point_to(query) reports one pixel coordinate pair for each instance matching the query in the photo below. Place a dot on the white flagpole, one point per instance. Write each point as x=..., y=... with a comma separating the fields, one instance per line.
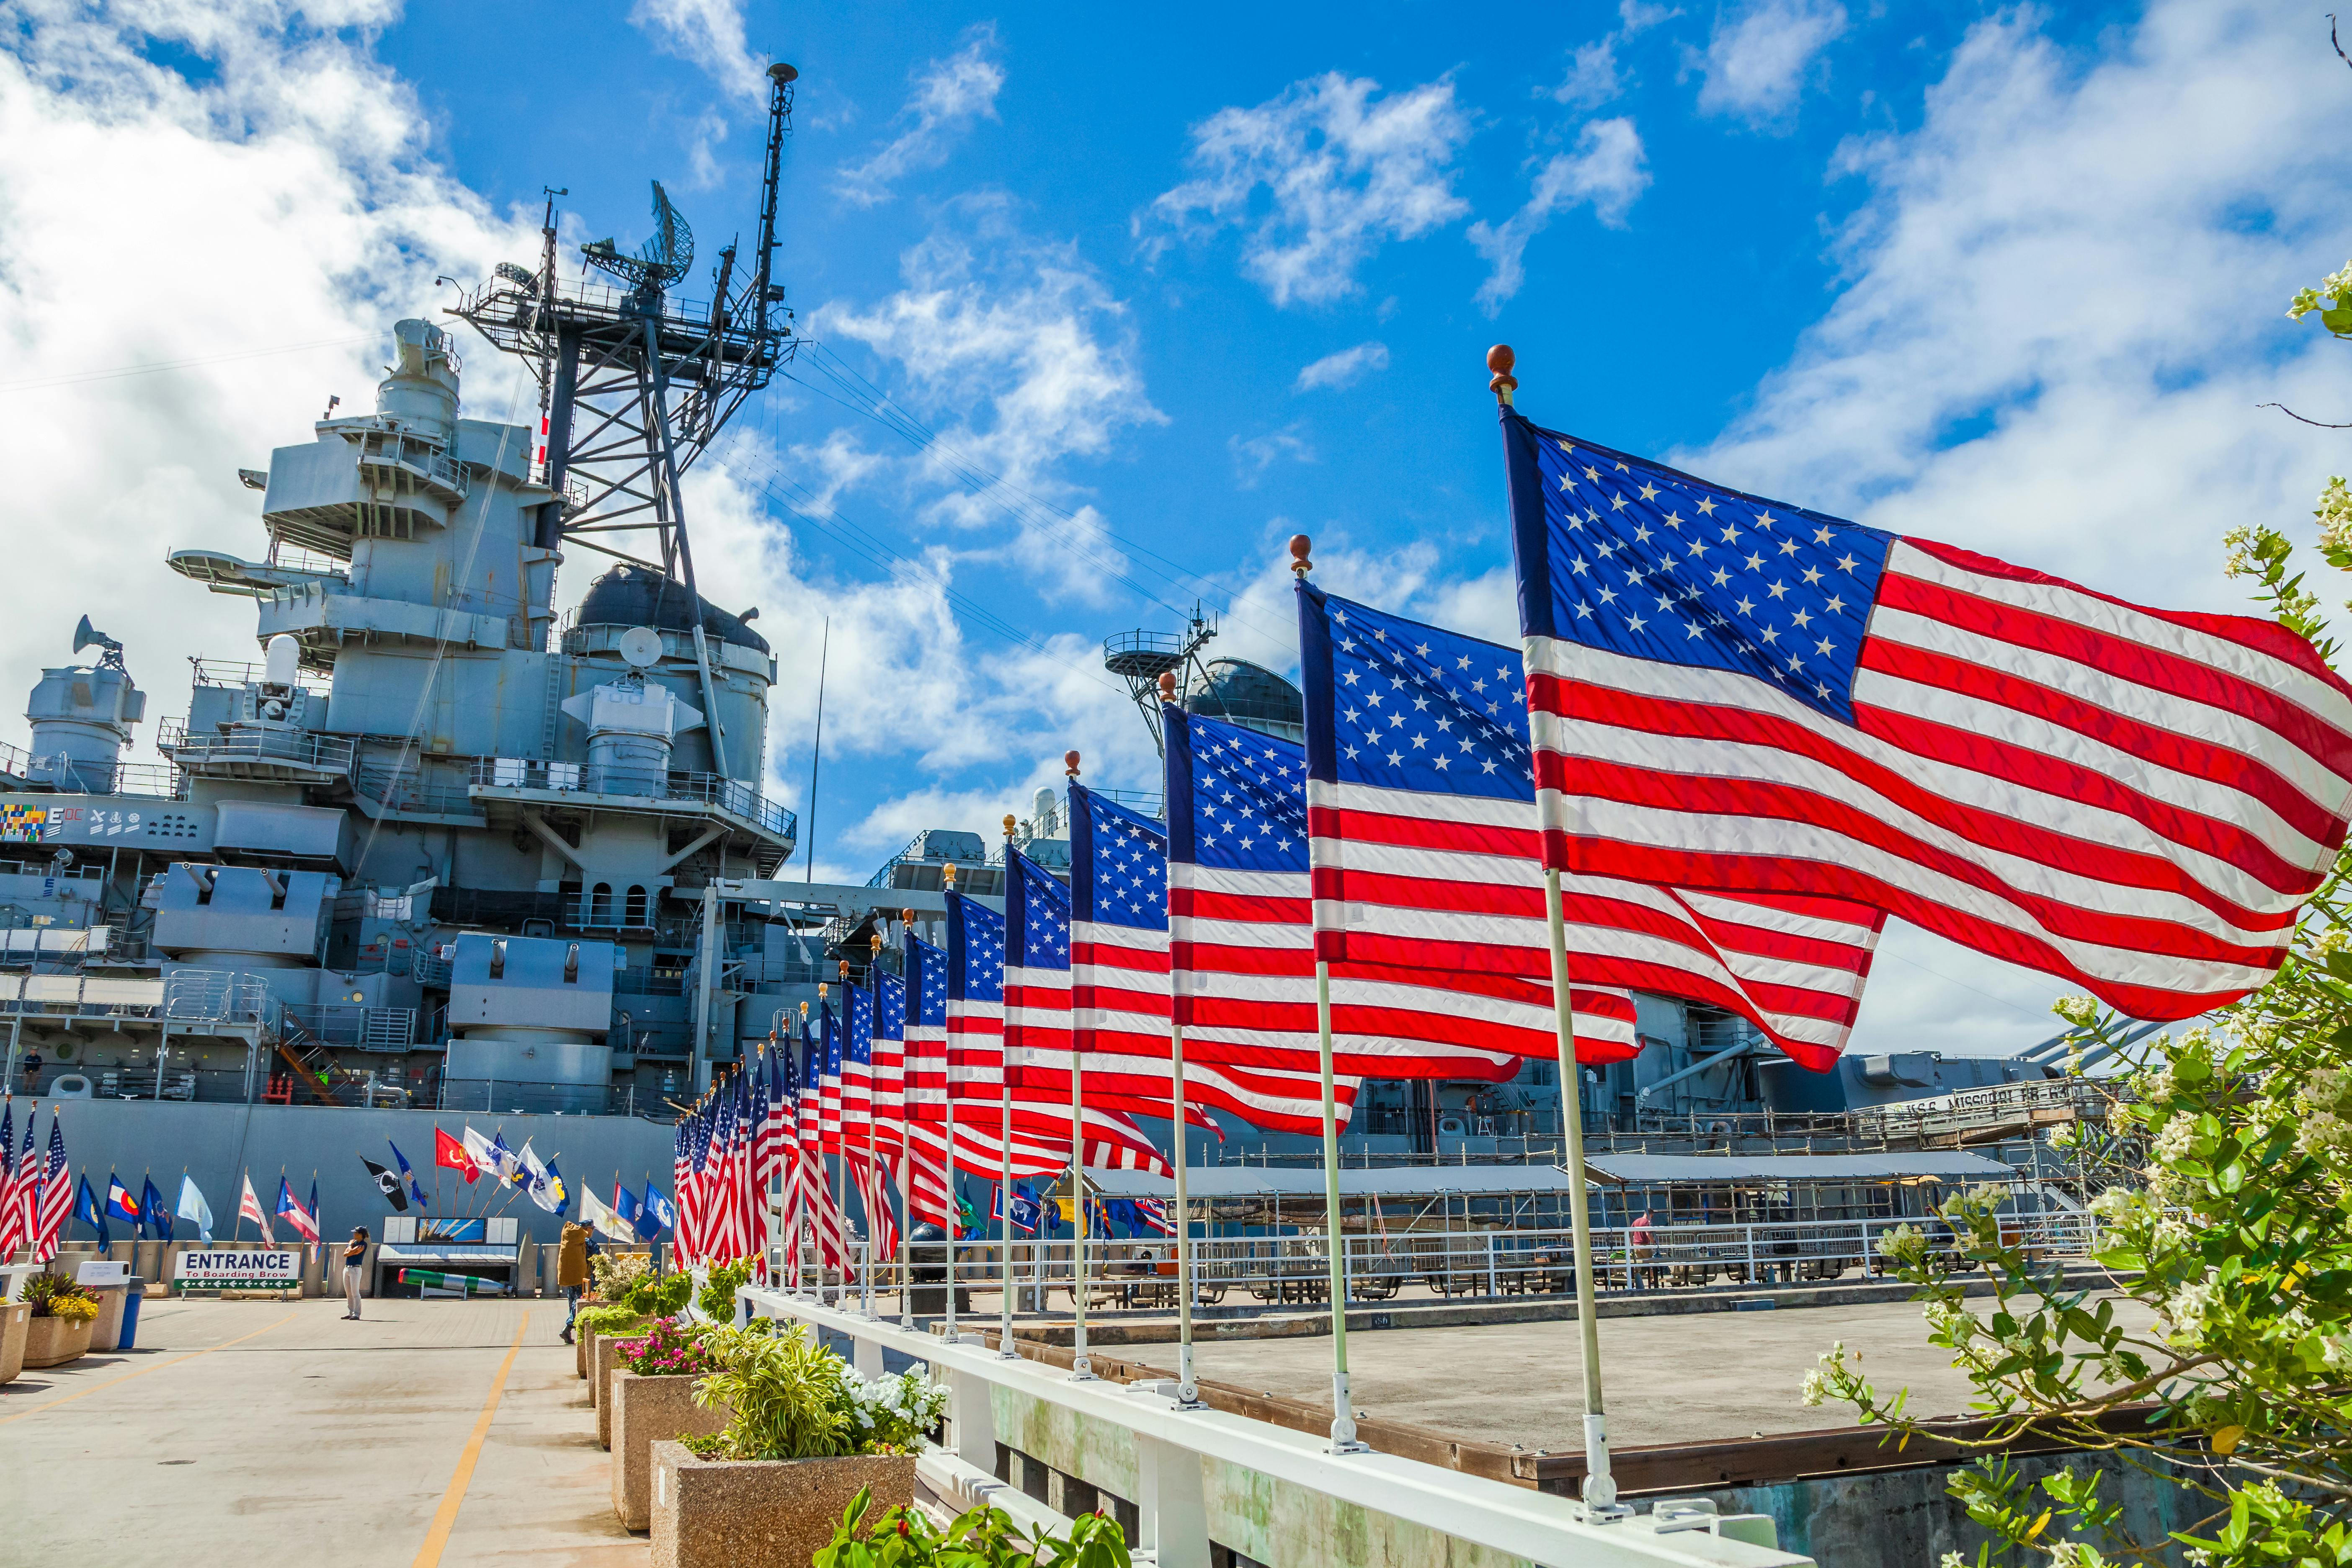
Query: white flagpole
x=1188, y=1390
x=1081, y=1365
x=948, y=1160
x=1343, y=1412
x=906, y=1150
x=1599, y=1484
x=1004, y=1137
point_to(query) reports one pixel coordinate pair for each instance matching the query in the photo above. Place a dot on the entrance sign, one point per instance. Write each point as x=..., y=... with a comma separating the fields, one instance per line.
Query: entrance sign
x=277, y=1267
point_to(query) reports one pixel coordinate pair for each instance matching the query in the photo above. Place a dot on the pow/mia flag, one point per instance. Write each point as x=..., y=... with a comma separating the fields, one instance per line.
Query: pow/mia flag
x=389, y=1182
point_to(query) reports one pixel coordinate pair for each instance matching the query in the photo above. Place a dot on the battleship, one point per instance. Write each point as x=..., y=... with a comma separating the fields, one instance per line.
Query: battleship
x=425, y=844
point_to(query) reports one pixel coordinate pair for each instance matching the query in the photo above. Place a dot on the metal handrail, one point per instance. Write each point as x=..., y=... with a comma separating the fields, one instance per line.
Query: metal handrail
x=729, y=794
x=260, y=743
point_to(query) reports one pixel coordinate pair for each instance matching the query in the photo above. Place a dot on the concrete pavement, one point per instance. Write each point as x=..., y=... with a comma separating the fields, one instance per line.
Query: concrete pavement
x=251, y=1429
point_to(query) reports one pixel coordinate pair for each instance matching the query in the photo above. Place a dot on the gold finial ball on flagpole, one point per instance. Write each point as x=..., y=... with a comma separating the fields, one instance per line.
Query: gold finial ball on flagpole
x=876, y=944
x=845, y=971
x=1299, y=546
x=822, y=988
x=805, y=1008
x=1070, y=763
x=1500, y=359
x=1011, y=822
x=906, y=917
x=1167, y=686
x=946, y=876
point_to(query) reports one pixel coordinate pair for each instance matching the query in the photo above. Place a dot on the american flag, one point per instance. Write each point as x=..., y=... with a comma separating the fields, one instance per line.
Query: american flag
x=928, y=1114
x=13, y=1225
x=976, y=974
x=828, y=1079
x=820, y=1213
x=1242, y=935
x=1735, y=694
x=1422, y=805
x=683, y=1163
x=1119, y=978
x=889, y=1062
x=56, y=1201
x=1040, y=1017
x=856, y=1068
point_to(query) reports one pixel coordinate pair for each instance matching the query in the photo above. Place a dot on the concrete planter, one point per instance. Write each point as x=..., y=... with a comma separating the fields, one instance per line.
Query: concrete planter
x=763, y=1514
x=53, y=1341
x=15, y=1318
x=602, y=1366
x=646, y=1411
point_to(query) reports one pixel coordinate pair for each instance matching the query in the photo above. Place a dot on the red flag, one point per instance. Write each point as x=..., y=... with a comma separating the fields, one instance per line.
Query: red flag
x=450, y=1152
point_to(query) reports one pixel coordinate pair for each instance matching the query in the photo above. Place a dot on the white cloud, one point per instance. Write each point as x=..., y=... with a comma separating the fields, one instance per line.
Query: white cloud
x=2060, y=309
x=1022, y=359
x=708, y=34
x=1592, y=79
x=1607, y=171
x=1758, y=57
x=1253, y=456
x=948, y=97
x=1593, y=75
x=1343, y=173
x=301, y=208
x=1343, y=369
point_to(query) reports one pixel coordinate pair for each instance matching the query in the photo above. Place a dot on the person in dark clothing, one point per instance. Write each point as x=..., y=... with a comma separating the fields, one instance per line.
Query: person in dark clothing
x=33, y=1066
x=354, y=1266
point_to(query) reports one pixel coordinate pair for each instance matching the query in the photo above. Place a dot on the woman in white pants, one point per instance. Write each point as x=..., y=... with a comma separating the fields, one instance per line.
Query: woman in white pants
x=354, y=1265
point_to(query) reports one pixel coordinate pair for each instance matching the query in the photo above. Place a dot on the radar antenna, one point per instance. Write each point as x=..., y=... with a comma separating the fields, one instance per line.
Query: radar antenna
x=88, y=636
x=662, y=261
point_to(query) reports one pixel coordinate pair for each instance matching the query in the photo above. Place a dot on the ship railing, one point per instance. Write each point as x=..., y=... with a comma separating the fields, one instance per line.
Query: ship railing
x=68, y=775
x=512, y=1097
x=262, y=744
x=216, y=995
x=405, y=787
x=731, y=795
x=237, y=674
x=1183, y=1463
x=1239, y=1274
x=355, y=1025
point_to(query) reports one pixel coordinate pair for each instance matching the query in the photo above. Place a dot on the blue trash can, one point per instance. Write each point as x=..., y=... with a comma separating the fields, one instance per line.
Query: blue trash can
x=134, y=1293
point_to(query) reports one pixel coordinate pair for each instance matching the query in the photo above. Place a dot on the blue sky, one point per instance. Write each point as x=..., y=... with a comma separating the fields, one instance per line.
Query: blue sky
x=1179, y=286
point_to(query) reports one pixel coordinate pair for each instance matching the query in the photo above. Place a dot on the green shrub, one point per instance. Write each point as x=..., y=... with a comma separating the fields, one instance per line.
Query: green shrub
x=658, y=1296
x=982, y=1537
x=718, y=1298
x=785, y=1391
x=610, y=1318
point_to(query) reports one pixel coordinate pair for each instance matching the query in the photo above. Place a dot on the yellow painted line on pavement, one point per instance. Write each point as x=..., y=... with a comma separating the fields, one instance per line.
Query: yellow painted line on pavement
x=144, y=1371
x=444, y=1518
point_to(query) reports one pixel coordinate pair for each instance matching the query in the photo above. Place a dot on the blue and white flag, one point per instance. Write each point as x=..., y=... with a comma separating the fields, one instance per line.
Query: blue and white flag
x=193, y=1208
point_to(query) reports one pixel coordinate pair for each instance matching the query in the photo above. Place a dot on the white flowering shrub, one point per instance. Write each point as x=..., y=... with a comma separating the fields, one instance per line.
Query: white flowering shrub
x=2232, y=1226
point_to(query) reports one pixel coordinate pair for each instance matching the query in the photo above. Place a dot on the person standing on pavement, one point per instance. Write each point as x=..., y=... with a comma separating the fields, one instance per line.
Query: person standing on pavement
x=354, y=1265
x=572, y=1270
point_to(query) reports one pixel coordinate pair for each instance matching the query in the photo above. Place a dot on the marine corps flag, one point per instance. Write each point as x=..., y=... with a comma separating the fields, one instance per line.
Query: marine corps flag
x=388, y=1183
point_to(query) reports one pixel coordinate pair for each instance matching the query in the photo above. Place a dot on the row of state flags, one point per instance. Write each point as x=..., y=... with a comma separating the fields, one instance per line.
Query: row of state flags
x=1740, y=734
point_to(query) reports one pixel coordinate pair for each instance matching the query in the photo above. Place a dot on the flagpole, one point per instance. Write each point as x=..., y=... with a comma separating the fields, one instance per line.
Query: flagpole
x=906, y=1158
x=1081, y=1365
x=1187, y=1392
x=1343, y=1411
x=1599, y=1484
x=947, y=1098
x=1005, y=1141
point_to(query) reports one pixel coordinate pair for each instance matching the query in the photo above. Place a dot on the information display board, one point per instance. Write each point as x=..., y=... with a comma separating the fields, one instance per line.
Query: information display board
x=274, y=1267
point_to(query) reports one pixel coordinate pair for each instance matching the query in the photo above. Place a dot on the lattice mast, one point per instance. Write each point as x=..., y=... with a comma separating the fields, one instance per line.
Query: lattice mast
x=636, y=384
